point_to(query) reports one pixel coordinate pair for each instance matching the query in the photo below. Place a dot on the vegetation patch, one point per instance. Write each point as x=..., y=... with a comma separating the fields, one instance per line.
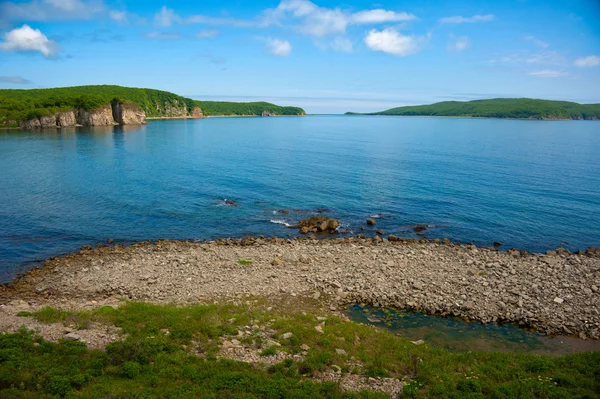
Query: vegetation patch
x=20, y=105
x=518, y=108
x=171, y=352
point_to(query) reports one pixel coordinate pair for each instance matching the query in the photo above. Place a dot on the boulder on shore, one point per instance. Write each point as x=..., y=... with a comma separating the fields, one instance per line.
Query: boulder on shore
x=319, y=224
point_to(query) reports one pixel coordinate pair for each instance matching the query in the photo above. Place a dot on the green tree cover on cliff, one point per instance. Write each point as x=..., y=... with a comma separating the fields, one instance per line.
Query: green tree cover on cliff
x=27, y=104
x=252, y=108
x=19, y=105
x=519, y=108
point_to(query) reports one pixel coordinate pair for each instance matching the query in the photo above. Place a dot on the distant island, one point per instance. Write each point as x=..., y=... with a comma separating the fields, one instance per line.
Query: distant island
x=115, y=105
x=514, y=108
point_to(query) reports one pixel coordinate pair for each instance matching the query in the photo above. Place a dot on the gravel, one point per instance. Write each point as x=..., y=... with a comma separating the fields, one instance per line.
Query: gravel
x=555, y=293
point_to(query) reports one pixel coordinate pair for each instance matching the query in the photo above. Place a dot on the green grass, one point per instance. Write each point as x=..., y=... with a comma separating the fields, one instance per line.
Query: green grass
x=270, y=351
x=169, y=352
x=520, y=108
x=244, y=262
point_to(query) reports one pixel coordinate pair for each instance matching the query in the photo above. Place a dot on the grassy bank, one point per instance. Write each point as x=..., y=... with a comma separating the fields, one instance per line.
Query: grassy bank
x=176, y=352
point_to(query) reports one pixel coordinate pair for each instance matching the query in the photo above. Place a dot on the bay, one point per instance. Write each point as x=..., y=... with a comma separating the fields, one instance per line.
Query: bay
x=532, y=185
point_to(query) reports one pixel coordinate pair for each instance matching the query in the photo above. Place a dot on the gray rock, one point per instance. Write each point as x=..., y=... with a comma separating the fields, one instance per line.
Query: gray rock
x=287, y=335
x=72, y=336
x=341, y=352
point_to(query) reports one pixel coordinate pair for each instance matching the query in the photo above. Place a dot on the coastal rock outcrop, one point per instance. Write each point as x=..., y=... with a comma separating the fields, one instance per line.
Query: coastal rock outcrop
x=66, y=119
x=197, y=112
x=128, y=114
x=48, y=121
x=318, y=224
x=30, y=124
x=176, y=110
x=266, y=113
x=102, y=116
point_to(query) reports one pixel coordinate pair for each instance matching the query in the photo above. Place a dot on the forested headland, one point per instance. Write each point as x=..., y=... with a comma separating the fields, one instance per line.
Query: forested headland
x=18, y=106
x=516, y=108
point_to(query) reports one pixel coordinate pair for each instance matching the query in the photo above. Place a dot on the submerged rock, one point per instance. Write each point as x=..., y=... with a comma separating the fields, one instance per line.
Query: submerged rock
x=319, y=224
x=419, y=228
x=371, y=222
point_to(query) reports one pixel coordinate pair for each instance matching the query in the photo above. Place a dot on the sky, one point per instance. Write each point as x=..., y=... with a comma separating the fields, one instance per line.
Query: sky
x=325, y=56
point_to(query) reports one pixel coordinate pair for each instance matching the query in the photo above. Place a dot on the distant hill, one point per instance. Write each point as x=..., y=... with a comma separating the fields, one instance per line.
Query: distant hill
x=214, y=108
x=518, y=108
x=18, y=106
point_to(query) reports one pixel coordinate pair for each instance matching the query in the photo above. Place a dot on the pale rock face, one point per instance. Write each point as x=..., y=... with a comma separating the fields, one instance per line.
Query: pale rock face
x=197, y=112
x=48, y=121
x=128, y=114
x=66, y=119
x=31, y=124
x=175, y=112
x=99, y=117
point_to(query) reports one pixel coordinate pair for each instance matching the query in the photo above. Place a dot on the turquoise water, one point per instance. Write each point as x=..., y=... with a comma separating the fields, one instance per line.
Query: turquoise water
x=528, y=184
x=458, y=335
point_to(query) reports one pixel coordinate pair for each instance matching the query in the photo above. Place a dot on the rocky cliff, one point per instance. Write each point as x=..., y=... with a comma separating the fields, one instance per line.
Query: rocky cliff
x=196, y=112
x=128, y=114
x=116, y=113
x=102, y=116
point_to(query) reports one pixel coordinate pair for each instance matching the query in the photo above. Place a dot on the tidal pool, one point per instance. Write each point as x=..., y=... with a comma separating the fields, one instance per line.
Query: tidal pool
x=458, y=335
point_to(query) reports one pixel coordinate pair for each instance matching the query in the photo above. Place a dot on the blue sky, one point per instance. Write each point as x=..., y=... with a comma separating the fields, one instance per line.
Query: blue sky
x=325, y=56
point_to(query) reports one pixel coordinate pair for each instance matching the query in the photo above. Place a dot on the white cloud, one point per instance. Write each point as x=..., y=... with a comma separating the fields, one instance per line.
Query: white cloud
x=537, y=41
x=25, y=39
x=281, y=48
x=541, y=57
x=207, y=33
x=14, y=79
x=203, y=19
x=391, y=41
x=50, y=10
x=589, y=61
x=461, y=20
x=312, y=20
x=458, y=44
x=342, y=44
x=547, y=73
x=67, y=5
x=162, y=35
x=380, y=16
x=119, y=17
x=166, y=17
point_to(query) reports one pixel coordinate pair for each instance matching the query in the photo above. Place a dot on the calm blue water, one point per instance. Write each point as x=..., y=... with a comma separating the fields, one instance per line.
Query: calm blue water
x=527, y=184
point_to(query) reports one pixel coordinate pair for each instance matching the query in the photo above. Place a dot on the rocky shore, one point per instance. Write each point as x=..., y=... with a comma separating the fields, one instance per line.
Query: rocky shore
x=554, y=293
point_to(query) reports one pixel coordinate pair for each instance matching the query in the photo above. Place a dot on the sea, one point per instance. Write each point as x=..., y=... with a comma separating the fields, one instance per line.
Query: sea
x=525, y=184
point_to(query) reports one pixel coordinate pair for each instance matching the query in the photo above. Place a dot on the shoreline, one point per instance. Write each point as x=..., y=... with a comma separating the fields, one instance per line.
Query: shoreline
x=475, y=117
x=554, y=293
